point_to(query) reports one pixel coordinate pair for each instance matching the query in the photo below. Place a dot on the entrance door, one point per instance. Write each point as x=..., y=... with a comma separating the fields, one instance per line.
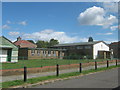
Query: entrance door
x=9, y=55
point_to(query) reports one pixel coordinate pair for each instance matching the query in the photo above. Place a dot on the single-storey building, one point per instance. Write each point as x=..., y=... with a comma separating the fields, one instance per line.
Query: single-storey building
x=28, y=50
x=40, y=53
x=90, y=50
x=24, y=43
x=8, y=50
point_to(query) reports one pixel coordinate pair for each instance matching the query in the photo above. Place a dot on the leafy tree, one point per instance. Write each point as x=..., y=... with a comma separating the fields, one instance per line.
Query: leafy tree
x=42, y=44
x=31, y=41
x=53, y=42
x=90, y=39
x=46, y=44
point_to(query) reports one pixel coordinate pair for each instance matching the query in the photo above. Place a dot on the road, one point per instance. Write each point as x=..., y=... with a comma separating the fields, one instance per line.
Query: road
x=105, y=79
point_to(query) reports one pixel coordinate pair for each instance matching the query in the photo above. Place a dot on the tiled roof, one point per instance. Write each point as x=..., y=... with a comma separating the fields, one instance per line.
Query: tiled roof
x=25, y=43
x=81, y=43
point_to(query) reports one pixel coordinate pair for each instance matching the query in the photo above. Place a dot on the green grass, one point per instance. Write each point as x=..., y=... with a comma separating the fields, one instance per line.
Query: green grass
x=38, y=79
x=44, y=62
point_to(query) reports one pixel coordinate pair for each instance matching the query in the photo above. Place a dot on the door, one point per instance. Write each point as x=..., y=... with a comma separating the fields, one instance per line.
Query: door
x=9, y=55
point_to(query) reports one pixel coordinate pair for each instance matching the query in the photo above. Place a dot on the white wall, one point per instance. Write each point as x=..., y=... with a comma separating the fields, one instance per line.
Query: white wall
x=14, y=57
x=99, y=47
x=3, y=55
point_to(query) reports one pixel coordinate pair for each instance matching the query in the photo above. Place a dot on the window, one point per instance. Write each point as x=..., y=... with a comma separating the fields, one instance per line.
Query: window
x=79, y=47
x=54, y=53
x=38, y=52
x=44, y=53
x=32, y=52
x=87, y=47
x=49, y=53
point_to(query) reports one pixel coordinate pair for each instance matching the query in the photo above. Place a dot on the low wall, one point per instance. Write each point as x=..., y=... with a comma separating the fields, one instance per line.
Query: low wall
x=9, y=72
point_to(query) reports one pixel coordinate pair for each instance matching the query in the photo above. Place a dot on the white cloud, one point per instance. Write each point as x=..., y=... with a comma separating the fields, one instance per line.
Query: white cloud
x=113, y=28
x=48, y=34
x=111, y=41
x=96, y=16
x=5, y=26
x=24, y=23
x=14, y=33
x=83, y=39
x=110, y=6
x=9, y=22
x=105, y=33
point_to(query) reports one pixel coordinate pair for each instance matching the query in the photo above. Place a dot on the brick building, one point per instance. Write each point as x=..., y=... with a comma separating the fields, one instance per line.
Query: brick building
x=90, y=50
x=115, y=46
x=28, y=50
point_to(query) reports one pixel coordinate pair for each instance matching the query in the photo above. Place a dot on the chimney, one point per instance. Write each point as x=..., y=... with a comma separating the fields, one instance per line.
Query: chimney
x=19, y=38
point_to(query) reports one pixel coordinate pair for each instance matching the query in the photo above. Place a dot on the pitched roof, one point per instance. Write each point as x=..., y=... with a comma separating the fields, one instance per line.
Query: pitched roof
x=115, y=43
x=81, y=43
x=25, y=43
x=6, y=43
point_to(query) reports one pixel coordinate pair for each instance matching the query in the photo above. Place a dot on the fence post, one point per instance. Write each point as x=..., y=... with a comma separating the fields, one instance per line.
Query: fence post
x=80, y=69
x=57, y=70
x=116, y=62
x=95, y=65
x=107, y=63
x=25, y=73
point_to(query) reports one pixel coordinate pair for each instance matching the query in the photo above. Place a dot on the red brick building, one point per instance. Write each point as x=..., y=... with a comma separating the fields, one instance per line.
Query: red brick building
x=24, y=43
x=116, y=49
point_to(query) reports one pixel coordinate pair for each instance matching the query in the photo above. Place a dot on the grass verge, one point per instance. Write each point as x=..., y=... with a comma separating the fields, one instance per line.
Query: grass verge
x=46, y=62
x=39, y=79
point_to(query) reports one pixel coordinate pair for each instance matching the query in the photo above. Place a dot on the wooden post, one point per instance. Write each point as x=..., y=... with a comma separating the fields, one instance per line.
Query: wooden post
x=107, y=63
x=80, y=69
x=57, y=70
x=25, y=73
x=95, y=65
x=116, y=62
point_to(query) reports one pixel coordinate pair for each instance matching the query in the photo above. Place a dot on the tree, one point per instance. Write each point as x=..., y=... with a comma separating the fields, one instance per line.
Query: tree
x=46, y=44
x=42, y=44
x=90, y=39
x=31, y=41
x=53, y=42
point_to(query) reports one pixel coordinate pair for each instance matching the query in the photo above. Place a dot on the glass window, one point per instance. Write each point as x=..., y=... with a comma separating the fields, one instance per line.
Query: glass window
x=38, y=52
x=79, y=47
x=54, y=53
x=87, y=47
x=32, y=52
x=44, y=53
x=49, y=52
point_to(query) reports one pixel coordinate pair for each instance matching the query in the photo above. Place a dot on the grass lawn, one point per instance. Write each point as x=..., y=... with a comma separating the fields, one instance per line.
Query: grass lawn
x=43, y=62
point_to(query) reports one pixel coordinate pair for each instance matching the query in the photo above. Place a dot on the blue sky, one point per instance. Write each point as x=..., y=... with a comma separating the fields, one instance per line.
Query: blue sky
x=67, y=22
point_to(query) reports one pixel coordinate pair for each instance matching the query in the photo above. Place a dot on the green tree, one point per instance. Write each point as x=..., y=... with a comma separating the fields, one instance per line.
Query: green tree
x=53, y=42
x=90, y=39
x=31, y=41
x=42, y=44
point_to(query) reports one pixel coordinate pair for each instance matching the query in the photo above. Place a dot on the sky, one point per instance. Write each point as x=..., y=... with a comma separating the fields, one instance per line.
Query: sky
x=68, y=22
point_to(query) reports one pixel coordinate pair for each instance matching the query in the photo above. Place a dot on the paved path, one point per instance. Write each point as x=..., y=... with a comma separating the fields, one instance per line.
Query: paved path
x=105, y=79
x=19, y=77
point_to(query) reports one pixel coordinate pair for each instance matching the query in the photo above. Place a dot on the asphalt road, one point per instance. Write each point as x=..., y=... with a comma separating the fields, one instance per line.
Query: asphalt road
x=105, y=79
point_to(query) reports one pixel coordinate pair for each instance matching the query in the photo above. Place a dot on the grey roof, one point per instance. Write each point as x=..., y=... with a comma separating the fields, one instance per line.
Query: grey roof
x=45, y=49
x=81, y=43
